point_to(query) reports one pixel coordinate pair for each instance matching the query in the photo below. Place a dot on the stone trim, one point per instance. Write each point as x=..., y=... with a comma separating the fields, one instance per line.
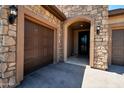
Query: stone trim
x=7, y=49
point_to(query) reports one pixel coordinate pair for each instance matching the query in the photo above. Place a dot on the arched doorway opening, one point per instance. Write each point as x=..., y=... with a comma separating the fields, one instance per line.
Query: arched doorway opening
x=79, y=38
x=78, y=42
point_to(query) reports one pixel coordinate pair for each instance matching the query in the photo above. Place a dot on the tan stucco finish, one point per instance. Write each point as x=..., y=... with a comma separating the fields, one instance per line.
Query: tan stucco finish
x=115, y=23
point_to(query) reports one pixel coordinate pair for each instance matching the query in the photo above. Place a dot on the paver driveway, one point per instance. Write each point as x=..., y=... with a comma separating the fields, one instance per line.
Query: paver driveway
x=61, y=75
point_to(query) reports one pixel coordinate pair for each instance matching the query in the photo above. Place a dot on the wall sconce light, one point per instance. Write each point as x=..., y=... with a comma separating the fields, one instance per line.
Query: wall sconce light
x=12, y=14
x=98, y=29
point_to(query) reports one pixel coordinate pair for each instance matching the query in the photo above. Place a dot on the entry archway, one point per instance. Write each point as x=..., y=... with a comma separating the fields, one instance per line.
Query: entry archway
x=70, y=21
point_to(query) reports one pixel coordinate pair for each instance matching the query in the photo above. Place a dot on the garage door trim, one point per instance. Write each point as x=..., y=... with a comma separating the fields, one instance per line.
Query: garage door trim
x=22, y=14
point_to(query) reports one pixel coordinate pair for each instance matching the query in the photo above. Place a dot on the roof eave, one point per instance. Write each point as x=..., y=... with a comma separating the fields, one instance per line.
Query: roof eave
x=55, y=11
x=116, y=12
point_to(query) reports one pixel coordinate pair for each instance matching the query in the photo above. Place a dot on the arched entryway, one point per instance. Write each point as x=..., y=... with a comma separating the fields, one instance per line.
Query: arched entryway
x=78, y=23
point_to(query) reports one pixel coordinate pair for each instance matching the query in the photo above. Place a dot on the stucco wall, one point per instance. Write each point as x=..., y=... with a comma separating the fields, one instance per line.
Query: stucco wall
x=115, y=22
x=99, y=13
x=116, y=19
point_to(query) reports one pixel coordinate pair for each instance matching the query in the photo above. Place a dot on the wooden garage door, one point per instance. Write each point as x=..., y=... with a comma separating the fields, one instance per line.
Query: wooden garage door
x=38, y=46
x=118, y=47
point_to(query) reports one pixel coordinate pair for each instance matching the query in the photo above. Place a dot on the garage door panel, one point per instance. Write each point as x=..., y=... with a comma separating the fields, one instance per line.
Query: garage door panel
x=39, y=42
x=118, y=47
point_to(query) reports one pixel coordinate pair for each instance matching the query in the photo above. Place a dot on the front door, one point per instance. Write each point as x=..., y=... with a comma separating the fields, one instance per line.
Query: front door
x=83, y=47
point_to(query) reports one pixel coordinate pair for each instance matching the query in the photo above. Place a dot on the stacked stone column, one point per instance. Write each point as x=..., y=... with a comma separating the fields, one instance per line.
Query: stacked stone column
x=7, y=50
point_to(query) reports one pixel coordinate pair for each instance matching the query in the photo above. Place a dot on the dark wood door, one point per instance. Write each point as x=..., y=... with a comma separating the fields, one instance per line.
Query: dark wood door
x=83, y=47
x=118, y=47
x=38, y=46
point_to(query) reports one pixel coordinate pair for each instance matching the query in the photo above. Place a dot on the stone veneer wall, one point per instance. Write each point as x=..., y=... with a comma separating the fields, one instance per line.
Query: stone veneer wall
x=8, y=43
x=100, y=14
x=7, y=50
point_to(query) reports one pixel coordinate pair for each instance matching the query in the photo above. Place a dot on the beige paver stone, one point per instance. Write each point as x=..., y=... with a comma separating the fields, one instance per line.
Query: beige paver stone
x=12, y=64
x=4, y=13
x=5, y=83
x=12, y=48
x=8, y=41
x=11, y=68
x=3, y=67
x=9, y=57
x=4, y=49
x=12, y=33
x=12, y=27
x=7, y=74
x=12, y=81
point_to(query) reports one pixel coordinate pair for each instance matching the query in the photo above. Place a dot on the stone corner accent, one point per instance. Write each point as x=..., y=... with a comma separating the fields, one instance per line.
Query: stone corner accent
x=7, y=50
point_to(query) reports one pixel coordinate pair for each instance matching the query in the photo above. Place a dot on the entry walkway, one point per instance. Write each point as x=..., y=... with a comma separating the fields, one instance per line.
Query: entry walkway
x=78, y=60
x=61, y=75
x=113, y=78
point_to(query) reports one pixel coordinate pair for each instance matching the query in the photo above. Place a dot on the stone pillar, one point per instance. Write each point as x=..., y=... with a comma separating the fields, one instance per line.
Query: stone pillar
x=60, y=43
x=101, y=40
x=98, y=13
x=7, y=50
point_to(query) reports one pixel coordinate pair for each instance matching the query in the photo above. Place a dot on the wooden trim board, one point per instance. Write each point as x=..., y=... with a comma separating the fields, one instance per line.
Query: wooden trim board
x=22, y=14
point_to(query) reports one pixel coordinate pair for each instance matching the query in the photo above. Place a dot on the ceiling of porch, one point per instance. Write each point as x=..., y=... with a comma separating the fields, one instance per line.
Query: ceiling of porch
x=80, y=25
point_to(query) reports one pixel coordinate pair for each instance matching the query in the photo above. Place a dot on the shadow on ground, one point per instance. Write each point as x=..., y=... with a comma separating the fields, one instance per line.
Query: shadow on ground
x=61, y=75
x=116, y=69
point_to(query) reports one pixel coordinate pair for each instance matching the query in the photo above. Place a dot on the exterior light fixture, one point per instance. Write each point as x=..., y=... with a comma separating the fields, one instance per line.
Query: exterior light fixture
x=12, y=14
x=98, y=29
